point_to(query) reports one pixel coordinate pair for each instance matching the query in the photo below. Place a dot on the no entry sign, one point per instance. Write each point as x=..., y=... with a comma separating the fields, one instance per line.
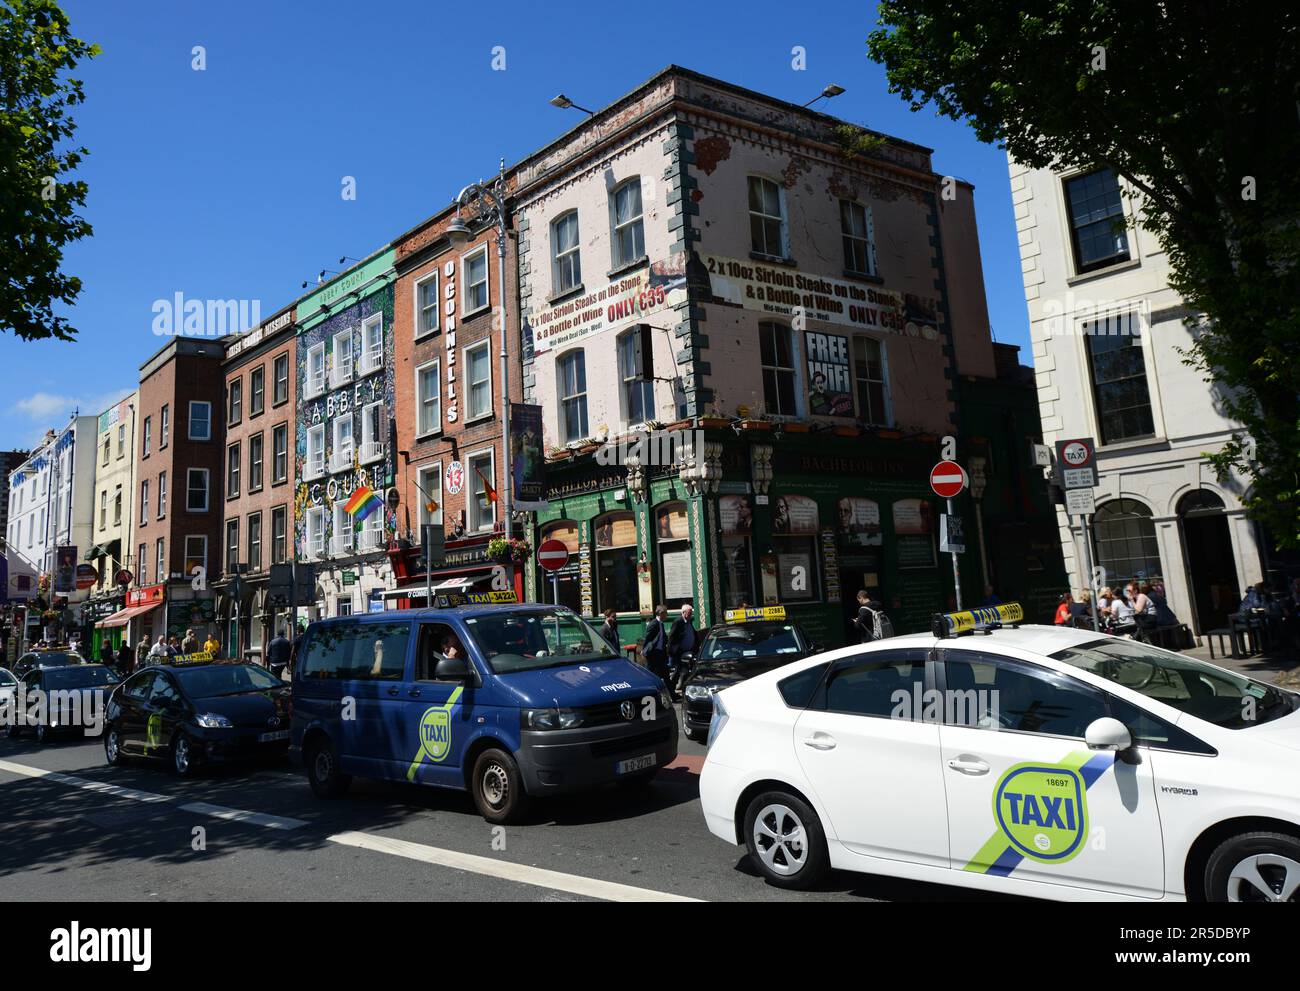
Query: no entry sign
x=552, y=555
x=947, y=478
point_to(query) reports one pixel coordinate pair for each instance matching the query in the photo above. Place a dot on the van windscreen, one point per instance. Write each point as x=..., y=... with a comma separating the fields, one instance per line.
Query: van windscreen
x=525, y=641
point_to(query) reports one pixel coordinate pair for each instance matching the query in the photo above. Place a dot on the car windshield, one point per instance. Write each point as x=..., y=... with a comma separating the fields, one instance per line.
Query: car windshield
x=729, y=643
x=225, y=679
x=82, y=676
x=524, y=641
x=53, y=659
x=7, y=680
x=1199, y=689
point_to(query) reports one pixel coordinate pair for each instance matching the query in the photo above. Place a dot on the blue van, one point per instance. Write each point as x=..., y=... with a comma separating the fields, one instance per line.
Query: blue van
x=508, y=701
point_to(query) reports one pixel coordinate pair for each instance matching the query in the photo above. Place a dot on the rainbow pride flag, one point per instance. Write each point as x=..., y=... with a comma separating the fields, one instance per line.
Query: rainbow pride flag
x=364, y=501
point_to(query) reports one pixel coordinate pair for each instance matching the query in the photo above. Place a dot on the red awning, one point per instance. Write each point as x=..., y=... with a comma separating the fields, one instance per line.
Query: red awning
x=124, y=616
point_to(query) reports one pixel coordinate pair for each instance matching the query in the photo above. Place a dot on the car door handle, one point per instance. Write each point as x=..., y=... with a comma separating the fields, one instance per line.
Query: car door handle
x=392, y=690
x=820, y=741
x=969, y=765
x=414, y=693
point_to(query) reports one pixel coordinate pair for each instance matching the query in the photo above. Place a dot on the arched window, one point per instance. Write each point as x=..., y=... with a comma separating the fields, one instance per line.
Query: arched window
x=673, y=537
x=1124, y=538
x=1199, y=502
x=562, y=587
x=616, y=580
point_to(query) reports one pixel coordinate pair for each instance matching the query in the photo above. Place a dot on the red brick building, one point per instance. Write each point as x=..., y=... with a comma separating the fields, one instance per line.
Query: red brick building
x=257, y=478
x=448, y=394
x=177, y=505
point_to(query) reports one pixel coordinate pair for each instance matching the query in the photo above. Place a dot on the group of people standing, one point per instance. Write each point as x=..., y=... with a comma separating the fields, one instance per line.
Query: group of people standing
x=147, y=652
x=1133, y=609
x=666, y=650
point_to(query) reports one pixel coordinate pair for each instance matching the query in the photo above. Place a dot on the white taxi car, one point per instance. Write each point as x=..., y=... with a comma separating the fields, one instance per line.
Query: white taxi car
x=1029, y=760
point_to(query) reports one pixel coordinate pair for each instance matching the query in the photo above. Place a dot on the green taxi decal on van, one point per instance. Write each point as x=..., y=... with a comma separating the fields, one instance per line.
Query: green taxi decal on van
x=435, y=733
x=1040, y=812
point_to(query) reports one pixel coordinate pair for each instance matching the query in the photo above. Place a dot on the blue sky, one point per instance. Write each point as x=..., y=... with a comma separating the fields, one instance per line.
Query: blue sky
x=225, y=183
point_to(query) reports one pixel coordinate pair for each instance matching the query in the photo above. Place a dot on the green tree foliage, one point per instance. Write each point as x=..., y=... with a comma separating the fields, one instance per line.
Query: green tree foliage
x=1197, y=106
x=38, y=202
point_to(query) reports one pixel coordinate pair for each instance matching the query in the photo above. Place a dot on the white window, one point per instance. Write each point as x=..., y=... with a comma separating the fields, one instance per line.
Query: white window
x=280, y=453
x=341, y=370
x=314, y=466
x=144, y=501
x=766, y=217
x=281, y=379
x=164, y=426
x=255, y=544
x=200, y=420
x=372, y=343
x=426, y=304
x=571, y=372
x=428, y=398
x=161, y=558
x=314, y=536
x=859, y=243
x=143, y=577
x=121, y=440
x=162, y=495
x=374, y=431
x=315, y=384
x=117, y=506
x=232, y=470
x=628, y=235
x=342, y=456
x=474, y=277
x=478, y=373
x=103, y=509
x=482, y=509
x=196, y=490
x=147, y=444
x=342, y=540
x=196, y=554
x=636, y=372
x=232, y=545
x=566, y=263
x=430, y=483
x=236, y=395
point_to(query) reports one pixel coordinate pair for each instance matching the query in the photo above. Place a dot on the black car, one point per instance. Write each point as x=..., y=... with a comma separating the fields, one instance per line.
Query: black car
x=66, y=699
x=34, y=659
x=730, y=654
x=194, y=713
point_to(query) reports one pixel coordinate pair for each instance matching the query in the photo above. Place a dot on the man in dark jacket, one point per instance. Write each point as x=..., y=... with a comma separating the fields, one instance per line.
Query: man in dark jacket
x=654, y=645
x=277, y=653
x=609, y=629
x=683, y=639
x=125, y=659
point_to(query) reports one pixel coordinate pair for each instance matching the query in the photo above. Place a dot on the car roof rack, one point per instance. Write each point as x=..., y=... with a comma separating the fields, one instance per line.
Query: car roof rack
x=946, y=625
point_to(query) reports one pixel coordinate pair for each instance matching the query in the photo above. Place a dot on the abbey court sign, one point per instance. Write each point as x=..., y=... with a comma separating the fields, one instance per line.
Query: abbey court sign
x=784, y=290
x=624, y=301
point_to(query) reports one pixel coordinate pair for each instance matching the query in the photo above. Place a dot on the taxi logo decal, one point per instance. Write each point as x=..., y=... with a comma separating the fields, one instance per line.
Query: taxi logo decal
x=1043, y=811
x=1040, y=812
x=435, y=734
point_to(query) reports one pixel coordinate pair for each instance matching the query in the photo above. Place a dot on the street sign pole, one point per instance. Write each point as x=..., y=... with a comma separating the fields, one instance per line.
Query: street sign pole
x=426, y=538
x=1087, y=563
x=956, y=569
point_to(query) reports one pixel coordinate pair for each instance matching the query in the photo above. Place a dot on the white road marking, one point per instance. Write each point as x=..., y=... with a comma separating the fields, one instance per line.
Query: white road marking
x=506, y=871
x=519, y=873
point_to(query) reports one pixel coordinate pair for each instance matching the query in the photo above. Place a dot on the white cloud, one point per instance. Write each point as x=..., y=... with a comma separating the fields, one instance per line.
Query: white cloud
x=44, y=410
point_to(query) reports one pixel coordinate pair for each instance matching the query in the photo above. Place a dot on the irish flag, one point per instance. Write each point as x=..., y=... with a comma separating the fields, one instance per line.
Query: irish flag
x=364, y=501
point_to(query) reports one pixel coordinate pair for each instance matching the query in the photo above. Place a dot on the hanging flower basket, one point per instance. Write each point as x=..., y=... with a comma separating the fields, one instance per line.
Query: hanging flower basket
x=516, y=550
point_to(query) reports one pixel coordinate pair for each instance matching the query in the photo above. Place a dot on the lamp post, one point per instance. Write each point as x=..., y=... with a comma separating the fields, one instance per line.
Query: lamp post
x=492, y=210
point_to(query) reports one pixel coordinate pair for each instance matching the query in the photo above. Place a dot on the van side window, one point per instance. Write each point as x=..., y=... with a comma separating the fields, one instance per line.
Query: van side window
x=436, y=640
x=357, y=651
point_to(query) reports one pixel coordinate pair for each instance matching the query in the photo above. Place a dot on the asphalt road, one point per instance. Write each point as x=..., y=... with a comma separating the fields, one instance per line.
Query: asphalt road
x=72, y=828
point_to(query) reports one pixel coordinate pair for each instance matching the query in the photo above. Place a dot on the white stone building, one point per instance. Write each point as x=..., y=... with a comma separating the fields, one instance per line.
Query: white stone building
x=1108, y=335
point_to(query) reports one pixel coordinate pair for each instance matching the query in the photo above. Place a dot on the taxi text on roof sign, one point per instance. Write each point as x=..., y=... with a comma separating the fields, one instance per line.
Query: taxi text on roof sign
x=948, y=624
x=447, y=599
x=753, y=614
x=201, y=657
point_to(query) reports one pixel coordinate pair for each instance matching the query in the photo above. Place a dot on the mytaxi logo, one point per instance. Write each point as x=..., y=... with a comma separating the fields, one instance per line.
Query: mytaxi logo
x=1043, y=811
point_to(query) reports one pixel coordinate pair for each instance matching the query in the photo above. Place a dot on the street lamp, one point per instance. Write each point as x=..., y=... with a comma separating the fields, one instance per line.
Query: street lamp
x=827, y=93
x=564, y=103
x=491, y=209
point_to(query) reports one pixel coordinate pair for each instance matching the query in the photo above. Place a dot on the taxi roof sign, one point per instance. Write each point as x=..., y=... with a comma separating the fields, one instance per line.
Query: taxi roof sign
x=951, y=624
x=446, y=600
x=753, y=614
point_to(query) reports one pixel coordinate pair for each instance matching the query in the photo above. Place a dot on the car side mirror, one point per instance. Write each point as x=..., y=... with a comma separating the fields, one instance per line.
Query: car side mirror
x=451, y=669
x=1108, y=733
x=817, y=647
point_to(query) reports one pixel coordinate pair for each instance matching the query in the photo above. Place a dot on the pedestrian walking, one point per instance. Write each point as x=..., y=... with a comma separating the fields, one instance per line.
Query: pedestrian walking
x=871, y=623
x=106, y=654
x=125, y=659
x=654, y=645
x=609, y=629
x=682, y=640
x=1062, y=617
x=278, y=652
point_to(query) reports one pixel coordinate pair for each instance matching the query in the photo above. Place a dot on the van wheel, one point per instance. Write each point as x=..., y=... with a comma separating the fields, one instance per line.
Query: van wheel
x=786, y=841
x=184, y=756
x=1254, y=867
x=497, y=788
x=113, y=747
x=323, y=773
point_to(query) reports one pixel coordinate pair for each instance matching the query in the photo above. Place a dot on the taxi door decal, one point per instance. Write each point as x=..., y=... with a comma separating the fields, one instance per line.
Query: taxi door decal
x=435, y=733
x=1041, y=812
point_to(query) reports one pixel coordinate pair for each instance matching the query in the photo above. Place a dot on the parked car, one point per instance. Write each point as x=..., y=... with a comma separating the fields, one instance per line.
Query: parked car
x=46, y=659
x=63, y=700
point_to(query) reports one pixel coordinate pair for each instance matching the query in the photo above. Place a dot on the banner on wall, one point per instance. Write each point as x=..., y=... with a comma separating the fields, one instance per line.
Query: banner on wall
x=65, y=569
x=859, y=522
x=830, y=378
x=527, y=462
x=736, y=516
x=795, y=514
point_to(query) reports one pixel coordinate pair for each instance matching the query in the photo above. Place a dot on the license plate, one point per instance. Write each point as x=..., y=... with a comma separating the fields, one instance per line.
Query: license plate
x=280, y=734
x=634, y=764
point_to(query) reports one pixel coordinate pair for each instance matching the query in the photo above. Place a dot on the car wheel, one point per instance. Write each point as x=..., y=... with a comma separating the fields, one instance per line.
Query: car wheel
x=42, y=734
x=184, y=756
x=323, y=773
x=1254, y=867
x=497, y=787
x=113, y=747
x=786, y=841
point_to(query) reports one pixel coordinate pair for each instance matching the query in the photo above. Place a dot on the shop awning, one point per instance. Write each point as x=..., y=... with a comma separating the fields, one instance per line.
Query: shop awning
x=124, y=616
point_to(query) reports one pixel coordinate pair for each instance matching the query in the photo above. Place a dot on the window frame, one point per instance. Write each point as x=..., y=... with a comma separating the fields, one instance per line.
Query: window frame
x=276, y=398
x=257, y=391
x=255, y=562
x=435, y=469
x=233, y=453
x=436, y=365
x=467, y=286
x=256, y=469
x=206, y=419
x=471, y=495
x=1109, y=261
x=164, y=426
x=468, y=396
x=559, y=258
x=277, y=456
x=190, y=557
x=636, y=223
x=782, y=218
x=235, y=401
x=636, y=336
x=777, y=370
x=576, y=355
x=867, y=238
x=207, y=489
x=417, y=288
x=162, y=495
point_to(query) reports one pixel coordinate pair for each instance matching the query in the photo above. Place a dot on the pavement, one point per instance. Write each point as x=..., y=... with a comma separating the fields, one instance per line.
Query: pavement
x=75, y=829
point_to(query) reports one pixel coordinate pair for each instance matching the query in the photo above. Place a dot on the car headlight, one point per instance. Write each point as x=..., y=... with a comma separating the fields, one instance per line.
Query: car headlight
x=213, y=720
x=719, y=719
x=700, y=691
x=543, y=719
